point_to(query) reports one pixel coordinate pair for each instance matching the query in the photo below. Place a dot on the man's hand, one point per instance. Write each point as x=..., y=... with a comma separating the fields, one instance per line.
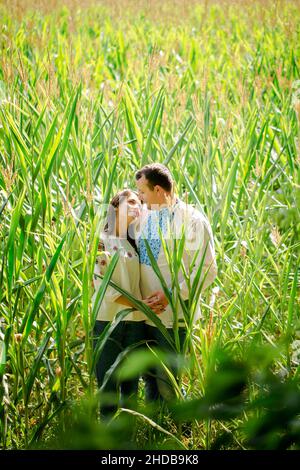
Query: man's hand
x=157, y=301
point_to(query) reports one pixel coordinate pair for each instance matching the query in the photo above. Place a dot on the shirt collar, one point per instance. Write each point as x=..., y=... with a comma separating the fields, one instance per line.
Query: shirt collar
x=172, y=206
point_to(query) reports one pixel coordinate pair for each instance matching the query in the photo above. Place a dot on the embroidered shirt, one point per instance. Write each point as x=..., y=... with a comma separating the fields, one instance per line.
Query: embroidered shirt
x=173, y=221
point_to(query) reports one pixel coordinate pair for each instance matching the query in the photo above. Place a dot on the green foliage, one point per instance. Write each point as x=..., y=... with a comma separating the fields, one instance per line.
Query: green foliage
x=87, y=98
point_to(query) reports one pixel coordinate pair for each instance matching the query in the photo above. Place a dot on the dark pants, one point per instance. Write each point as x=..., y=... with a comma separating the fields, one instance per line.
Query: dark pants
x=124, y=335
x=158, y=386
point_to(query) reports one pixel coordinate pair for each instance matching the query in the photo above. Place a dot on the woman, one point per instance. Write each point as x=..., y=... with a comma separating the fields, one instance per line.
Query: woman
x=124, y=209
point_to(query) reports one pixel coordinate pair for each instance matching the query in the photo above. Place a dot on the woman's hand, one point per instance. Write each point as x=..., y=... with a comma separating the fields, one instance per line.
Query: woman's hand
x=157, y=301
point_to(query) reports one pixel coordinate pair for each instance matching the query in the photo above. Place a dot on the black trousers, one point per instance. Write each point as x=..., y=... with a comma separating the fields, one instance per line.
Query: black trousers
x=125, y=334
x=158, y=386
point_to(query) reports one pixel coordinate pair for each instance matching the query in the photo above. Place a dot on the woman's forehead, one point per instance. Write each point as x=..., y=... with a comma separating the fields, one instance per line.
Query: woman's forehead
x=130, y=197
x=135, y=198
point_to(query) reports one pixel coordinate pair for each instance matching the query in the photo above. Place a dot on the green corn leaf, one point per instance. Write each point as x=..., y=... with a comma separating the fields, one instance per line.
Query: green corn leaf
x=36, y=364
x=28, y=319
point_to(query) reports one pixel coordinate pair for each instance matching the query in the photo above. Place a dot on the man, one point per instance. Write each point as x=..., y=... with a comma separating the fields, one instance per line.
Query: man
x=169, y=217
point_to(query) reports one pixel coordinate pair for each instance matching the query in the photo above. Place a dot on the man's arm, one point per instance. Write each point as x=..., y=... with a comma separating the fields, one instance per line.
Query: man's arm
x=199, y=244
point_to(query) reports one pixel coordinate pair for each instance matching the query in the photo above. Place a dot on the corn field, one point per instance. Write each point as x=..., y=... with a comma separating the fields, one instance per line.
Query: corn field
x=89, y=93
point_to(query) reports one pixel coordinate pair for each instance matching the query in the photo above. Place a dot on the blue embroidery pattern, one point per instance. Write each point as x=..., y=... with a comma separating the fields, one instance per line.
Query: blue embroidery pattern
x=152, y=234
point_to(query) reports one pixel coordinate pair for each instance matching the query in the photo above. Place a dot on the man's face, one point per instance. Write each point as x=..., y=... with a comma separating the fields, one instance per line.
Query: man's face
x=148, y=196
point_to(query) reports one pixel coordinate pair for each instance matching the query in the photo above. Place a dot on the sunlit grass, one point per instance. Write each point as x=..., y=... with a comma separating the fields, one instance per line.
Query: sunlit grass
x=87, y=96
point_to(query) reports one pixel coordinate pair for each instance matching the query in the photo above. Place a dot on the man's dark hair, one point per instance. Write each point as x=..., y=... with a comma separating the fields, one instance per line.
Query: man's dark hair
x=156, y=173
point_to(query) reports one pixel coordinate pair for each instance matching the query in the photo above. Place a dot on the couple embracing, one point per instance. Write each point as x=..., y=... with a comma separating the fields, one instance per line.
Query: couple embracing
x=150, y=223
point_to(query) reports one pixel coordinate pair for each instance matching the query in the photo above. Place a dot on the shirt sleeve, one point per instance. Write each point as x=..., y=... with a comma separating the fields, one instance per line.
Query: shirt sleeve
x=103, y=260
x=198, y=236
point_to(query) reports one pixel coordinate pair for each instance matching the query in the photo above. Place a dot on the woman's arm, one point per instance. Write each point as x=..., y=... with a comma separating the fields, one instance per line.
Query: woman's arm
x=124, y=301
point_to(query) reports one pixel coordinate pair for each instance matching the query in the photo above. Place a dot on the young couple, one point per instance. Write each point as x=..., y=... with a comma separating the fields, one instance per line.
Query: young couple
x=150, y=213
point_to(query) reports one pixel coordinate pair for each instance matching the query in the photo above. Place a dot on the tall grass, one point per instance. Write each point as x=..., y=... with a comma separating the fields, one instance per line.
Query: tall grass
x=87, y=96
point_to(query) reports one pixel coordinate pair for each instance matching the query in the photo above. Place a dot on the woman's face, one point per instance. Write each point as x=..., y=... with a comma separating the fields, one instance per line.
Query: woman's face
x=129, y=208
